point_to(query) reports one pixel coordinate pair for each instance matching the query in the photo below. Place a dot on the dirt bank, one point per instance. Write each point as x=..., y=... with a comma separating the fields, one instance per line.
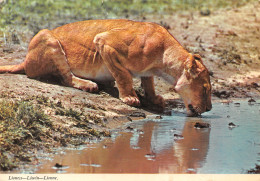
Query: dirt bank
x=227, y=40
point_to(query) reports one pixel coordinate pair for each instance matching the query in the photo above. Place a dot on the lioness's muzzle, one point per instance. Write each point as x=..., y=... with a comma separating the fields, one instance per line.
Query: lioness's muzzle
x=194, y=111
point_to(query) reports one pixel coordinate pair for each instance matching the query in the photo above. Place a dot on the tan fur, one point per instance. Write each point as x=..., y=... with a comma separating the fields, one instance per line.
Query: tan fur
x=87, y=52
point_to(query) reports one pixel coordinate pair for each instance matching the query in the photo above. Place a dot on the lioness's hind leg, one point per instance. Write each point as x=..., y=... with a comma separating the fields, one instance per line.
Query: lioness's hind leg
x=83, y=84
x=46, y=56
x=39, y=59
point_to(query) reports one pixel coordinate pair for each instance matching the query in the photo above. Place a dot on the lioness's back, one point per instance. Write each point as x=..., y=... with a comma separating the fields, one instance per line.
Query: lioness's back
x=90, y=28
x=96, y=26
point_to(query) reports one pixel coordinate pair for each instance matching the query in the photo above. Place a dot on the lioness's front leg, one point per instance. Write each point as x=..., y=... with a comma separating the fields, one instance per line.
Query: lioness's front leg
x=122, y=76
x=148, y=86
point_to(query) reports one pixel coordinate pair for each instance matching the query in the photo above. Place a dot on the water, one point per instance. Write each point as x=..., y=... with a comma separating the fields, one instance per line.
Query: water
x=173, y=145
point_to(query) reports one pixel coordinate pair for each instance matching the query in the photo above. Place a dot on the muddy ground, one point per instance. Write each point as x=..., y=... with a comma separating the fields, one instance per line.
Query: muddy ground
x=227, y=39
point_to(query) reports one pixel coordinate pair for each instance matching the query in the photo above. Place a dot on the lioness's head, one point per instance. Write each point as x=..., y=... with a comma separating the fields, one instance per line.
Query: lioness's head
x=194, y=86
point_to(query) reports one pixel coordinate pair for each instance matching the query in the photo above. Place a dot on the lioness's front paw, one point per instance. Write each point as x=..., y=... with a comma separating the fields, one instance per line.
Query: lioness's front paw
x=131, y=101
x=158, y=100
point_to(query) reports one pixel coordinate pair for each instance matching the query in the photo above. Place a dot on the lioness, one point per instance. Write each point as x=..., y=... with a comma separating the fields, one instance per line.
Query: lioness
x=83, y=53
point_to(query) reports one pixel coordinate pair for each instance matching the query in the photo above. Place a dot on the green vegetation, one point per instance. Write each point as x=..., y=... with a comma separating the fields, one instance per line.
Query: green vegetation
x=25, y=128
x=68, y=112
x=22, y=126
x=23, y=18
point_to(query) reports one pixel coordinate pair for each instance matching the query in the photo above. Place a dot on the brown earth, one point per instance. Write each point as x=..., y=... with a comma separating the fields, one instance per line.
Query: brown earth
x=228, y=40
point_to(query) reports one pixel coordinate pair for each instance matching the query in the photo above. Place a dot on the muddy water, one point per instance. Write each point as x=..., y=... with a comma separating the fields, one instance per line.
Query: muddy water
x=173, y=145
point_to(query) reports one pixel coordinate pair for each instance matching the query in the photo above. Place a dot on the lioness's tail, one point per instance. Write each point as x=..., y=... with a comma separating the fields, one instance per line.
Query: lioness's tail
x=15, y=69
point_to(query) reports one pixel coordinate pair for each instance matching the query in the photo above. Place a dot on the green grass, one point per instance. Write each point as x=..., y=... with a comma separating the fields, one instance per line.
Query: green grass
x=25, y=128
x=69, y=113
x=21, y=17
x=21, y=125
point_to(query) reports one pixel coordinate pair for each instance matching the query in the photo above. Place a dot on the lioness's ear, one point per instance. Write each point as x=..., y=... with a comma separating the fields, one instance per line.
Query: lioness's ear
x=193, y=67
x=189, y=63
x=197, y=57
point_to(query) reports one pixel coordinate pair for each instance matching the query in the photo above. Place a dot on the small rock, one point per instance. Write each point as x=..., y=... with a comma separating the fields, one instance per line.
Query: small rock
x=104, y=119
x=129, y=119
x=154, y=116
x=255, y=85
x=138, y=114
x=232, y=33
x=158, y=117
x=178, y=136
x=231, y=125
x=201, y=125
x=205, y=12
x=168, y=112
x=251, y=100
x=91, y=122
x=8, y=50
x=57, y=165
x=211, y=73
x=150, y=156
x=221, y=93
x=194, y=149
x=140, y=131
x=173, y=129
x=237, y=103
x=136, y=147
x=226, y=102
x=129, y=128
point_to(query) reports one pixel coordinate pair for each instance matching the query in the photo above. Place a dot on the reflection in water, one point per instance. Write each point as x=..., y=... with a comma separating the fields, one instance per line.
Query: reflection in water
x=153, y=147
x=192, y=150
x=149, y=148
